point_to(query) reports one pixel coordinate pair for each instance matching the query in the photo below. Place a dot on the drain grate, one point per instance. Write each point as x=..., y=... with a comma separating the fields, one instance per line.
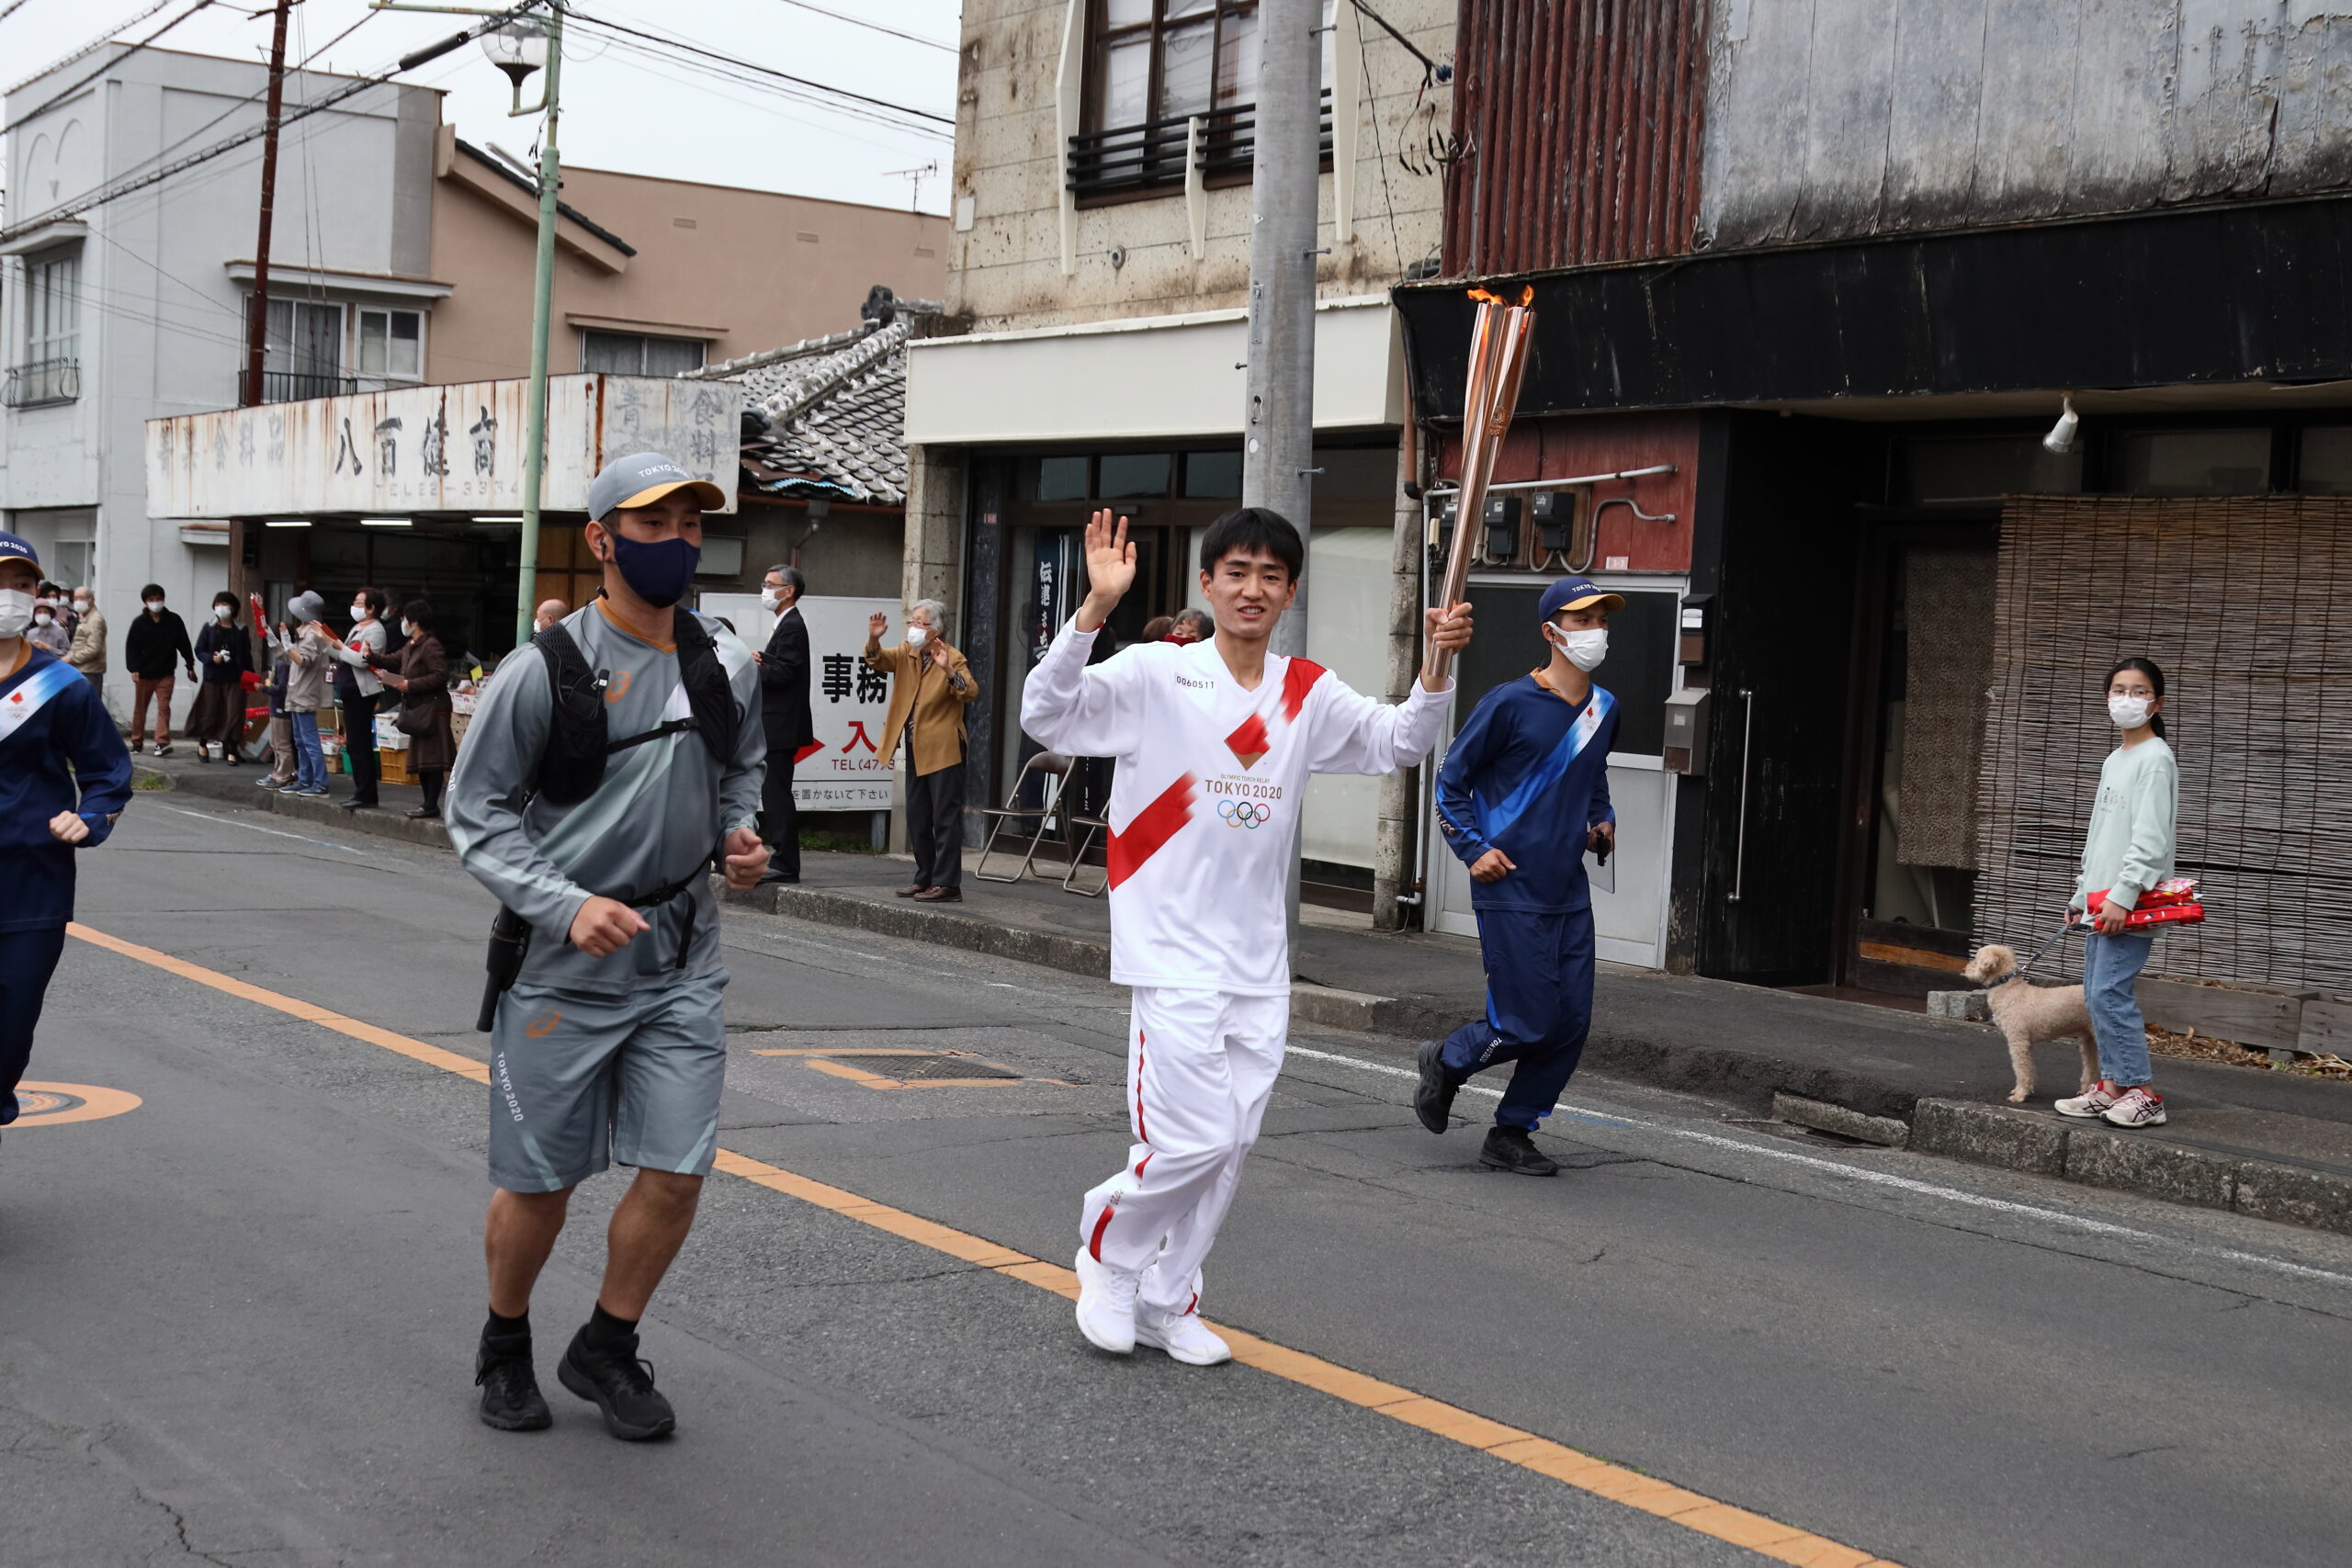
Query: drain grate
x=909, y=1069
x=1797, y=1135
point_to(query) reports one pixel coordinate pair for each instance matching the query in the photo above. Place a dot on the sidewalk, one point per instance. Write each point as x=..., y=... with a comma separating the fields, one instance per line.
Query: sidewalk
x=2277, y=1146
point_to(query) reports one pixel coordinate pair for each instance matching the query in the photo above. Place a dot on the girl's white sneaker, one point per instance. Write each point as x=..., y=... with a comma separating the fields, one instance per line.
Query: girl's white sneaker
x=2088, y=1105
x=2138, y=1108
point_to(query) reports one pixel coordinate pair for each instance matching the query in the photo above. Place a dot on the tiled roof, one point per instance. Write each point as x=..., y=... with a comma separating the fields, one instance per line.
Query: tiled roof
x=827, y=416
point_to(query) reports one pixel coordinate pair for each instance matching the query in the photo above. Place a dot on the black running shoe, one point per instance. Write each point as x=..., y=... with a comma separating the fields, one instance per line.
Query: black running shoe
x=618, y=1384
x=1434, y=1098
x=1508, y=1148
x=510, y=1389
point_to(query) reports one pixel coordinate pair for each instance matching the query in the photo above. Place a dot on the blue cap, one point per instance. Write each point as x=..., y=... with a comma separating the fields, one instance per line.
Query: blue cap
x=14, y=547
x=643, y=477
x=1575, y=593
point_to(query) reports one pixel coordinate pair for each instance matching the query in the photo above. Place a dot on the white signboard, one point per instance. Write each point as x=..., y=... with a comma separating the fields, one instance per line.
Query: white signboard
x=450, y=448
x=842, y=768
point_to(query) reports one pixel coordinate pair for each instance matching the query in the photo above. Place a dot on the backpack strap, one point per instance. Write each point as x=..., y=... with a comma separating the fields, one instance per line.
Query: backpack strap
x=709, y=695
x=572, y=763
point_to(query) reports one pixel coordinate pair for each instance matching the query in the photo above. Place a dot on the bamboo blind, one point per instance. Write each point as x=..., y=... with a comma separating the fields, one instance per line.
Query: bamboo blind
x=2247, y=603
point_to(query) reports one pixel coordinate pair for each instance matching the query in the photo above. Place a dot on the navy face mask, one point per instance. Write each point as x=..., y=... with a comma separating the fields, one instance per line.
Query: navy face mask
x=659, y=574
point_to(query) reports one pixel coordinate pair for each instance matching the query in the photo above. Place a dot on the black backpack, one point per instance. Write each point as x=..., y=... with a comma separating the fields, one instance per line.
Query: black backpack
x=573, y=764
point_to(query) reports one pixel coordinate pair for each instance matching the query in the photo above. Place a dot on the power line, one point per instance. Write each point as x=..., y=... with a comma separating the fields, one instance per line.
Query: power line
x=837, y=16
x=92, y=47
x=82, y=82
x=644, y=53
x=118, y=188
x=766, y=71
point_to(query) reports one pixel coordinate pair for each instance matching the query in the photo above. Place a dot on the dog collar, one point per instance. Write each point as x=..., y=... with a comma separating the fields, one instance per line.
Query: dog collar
x=2012, y=975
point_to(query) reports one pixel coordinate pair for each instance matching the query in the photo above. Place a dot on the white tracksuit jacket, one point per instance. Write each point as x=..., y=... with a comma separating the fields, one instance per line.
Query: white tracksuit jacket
x=1204, y=818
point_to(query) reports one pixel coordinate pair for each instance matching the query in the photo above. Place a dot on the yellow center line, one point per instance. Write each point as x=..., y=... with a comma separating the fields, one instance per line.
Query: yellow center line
x=1617, y=1483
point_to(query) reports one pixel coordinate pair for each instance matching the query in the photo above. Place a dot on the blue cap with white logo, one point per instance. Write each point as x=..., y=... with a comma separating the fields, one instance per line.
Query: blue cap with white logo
x=642, y=479
x=1576, y=593
x=14, y=547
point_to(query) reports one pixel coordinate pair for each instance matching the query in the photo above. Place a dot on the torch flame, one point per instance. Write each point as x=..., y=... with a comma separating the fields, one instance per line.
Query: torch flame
x=1526, y=296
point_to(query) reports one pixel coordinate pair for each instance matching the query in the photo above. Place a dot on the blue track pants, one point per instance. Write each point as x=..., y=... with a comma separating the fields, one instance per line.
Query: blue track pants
x=1539, y=1008
x=26, y=961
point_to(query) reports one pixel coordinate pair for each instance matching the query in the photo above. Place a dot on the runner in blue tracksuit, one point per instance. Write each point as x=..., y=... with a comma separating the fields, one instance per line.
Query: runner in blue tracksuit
x=1523, y=794
x=49, y=717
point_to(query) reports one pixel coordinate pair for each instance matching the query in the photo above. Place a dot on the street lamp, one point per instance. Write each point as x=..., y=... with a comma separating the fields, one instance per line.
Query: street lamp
x=522, y=45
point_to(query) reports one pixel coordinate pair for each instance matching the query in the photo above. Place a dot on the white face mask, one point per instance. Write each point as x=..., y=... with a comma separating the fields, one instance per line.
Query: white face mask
x=80, y=606
x=1585, y=648
x=42, y=617
x=154, y=606
x=221, y=611
x=407, y=628
x=918, y=636
x=359, y=612
x=769, y=598
x=15, y=612
x=2129, y=712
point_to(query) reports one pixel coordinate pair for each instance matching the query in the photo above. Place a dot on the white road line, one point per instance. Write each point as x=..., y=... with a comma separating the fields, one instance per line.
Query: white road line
x=1878, y=1177
x=256, y=828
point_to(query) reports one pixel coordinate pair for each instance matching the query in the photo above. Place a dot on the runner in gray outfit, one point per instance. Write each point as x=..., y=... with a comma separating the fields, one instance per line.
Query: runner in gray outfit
x=610, y=1044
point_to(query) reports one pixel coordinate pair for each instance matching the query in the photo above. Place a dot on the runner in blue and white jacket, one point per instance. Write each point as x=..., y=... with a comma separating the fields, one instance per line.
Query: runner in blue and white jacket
x=1523, y=794
x=49, y=717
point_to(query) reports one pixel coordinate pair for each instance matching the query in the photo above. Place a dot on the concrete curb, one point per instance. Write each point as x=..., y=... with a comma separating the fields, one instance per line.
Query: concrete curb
x=2129, y=1162
x=1831, y=1100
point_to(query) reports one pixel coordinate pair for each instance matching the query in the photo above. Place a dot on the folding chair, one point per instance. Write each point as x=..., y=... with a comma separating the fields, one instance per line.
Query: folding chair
x=1094, y=826
x=1055, y=767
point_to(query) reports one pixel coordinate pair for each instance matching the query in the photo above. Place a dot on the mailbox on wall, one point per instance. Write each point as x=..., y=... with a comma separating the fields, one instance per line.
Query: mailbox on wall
x=1686, y=732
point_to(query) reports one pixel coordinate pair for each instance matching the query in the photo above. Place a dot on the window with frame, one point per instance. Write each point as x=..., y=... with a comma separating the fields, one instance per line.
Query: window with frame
x=50, y=370
x=303, y=352
x=639, y=354
x=1153, y=67
x=391, y=343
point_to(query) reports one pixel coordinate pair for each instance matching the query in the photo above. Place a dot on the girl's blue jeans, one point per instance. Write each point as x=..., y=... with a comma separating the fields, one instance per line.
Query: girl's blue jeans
x=310, y=761
x=2111, y=964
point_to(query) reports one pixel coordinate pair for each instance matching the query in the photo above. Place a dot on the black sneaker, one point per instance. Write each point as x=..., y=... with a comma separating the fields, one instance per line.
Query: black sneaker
x=1434, y=1098
x=1508, y=1148
x=510, y=1389
x=618, y=1384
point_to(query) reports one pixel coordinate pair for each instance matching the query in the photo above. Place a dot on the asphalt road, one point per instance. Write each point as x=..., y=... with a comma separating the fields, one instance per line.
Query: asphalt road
x=236, y=1322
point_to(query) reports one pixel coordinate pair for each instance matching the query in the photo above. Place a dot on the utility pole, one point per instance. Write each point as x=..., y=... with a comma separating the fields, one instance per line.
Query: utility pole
x=535, y=433
x=1278, y=429
x=1278, y=423
x=257, y=327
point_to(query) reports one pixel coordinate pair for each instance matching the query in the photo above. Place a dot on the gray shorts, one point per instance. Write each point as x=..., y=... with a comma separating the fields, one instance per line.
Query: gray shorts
x=579, y=1081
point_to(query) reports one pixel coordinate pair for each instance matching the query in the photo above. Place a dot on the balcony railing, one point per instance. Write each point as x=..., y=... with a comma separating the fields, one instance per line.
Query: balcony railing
x=293, y=385
x=42, y=381
x=1145, y=157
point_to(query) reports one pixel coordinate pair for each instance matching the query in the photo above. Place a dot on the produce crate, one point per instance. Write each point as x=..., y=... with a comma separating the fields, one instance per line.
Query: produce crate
x=394, y=767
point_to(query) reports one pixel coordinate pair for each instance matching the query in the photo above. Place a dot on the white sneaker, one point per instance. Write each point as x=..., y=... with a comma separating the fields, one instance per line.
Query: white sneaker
x=2088, y=1105
x=1185, y=1337
x=2138, y=1108
x=1106, y=1305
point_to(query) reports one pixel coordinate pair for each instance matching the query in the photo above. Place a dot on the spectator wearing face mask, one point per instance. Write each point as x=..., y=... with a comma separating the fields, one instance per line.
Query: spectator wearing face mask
x=156, y=642
x=420, y=673
x=550, y=612
x=49, y=633
x=356, y=692
x=310, y=659
x=87, y=652
x=930, y=685
x=1190, y=625
x=284, y=767
x=225, y=655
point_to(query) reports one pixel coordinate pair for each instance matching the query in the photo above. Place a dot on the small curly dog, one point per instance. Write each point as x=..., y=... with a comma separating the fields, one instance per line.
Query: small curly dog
x=2028, y=1014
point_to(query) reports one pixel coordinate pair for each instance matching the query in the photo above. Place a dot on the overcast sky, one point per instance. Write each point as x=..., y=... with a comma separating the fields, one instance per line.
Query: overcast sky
x=621, y=111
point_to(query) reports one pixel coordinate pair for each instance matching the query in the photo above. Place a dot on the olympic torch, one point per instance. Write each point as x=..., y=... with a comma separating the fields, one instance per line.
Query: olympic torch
x=1498, y=361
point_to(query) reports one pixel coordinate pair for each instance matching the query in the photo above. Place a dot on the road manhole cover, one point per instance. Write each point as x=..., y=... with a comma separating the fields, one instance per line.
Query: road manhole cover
x=909, y=1069
x=45, y=1102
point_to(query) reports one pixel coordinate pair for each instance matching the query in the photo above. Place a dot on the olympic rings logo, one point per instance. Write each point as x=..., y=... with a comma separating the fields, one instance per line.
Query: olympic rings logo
x=1245, y=813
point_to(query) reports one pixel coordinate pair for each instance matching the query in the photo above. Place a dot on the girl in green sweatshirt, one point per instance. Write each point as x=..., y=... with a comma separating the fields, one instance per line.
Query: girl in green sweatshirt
x=2127, y=851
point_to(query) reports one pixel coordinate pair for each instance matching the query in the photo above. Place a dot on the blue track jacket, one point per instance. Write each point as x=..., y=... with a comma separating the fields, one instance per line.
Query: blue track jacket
x=1529, y=775
x=50, y=716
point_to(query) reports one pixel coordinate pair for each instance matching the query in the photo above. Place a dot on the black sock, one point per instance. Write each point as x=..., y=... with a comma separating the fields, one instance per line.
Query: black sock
x=605, y=1332
x=507, y=1327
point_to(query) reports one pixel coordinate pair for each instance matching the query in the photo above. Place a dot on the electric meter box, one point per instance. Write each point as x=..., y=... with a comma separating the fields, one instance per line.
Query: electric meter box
x=1686, y=732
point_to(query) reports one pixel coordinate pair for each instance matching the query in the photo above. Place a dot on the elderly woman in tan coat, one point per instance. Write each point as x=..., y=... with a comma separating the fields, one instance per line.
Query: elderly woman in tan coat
x=930, y=684
x=420, y=673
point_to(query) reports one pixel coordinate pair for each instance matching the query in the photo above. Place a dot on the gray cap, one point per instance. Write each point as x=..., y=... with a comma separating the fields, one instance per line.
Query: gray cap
x=306, y=606
x=642, y=479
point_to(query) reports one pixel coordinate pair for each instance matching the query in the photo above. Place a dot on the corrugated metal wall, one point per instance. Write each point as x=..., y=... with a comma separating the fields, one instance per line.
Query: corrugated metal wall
x=1579, y=128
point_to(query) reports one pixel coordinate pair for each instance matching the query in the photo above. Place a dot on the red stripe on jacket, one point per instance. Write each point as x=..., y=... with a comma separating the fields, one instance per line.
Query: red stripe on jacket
x=1152, y=827
x=1298, y=679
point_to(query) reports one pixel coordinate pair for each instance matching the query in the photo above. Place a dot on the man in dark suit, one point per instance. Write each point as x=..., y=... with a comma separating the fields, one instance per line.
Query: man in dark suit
x=783, y=706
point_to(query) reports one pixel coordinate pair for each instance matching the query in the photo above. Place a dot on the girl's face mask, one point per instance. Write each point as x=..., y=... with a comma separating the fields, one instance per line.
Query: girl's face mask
x=2129, y=712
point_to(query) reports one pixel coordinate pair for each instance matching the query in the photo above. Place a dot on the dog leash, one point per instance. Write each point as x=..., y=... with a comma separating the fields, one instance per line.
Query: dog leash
x=2020, y=972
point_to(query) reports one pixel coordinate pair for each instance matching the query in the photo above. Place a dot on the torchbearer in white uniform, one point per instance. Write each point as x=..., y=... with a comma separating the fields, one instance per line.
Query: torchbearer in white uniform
x=1216, y=742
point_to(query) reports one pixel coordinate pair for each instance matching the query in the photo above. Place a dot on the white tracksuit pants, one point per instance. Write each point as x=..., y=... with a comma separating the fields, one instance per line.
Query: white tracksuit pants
x=1200, y=1067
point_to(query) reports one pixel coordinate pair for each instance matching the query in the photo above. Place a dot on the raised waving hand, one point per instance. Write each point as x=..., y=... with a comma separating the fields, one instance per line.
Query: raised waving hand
x=1109, y=569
